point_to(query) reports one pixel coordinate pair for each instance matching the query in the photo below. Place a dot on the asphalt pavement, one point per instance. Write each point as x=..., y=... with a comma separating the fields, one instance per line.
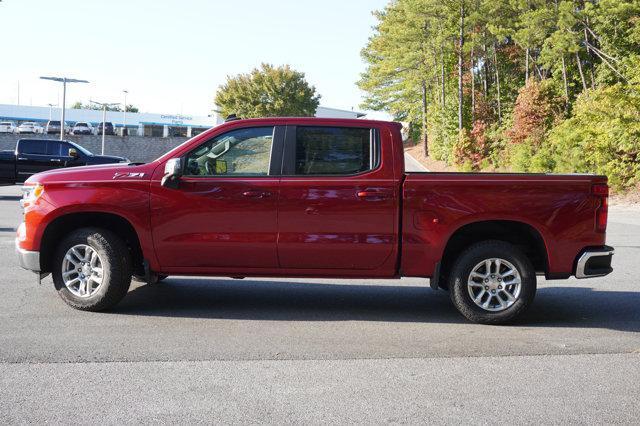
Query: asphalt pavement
x=216, y=350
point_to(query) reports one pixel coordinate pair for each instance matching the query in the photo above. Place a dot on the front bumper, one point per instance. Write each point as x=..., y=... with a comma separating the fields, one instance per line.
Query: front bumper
x=594, y=262
x=29, y=260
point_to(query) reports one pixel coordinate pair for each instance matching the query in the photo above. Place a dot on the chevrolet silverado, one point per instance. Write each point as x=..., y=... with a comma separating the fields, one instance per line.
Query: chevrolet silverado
x=309, y=197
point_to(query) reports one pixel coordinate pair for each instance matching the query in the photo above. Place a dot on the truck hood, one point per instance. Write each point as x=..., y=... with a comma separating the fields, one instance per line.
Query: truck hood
x=103, y=159
x=95, y=173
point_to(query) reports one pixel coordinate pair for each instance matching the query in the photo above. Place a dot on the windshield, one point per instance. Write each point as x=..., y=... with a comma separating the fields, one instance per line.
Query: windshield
x=5, y=123
x=79, y=148
x=54, y=123
x=81, y=125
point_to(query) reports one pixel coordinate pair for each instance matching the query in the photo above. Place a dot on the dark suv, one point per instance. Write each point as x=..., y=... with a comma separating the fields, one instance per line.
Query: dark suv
x=108, y=128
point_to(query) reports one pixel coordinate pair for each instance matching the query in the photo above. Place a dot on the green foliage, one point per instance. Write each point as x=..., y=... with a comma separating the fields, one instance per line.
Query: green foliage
x=443, y=133
x=268, y=92
x=577, y=112
x=603, y=136
x=80, y=105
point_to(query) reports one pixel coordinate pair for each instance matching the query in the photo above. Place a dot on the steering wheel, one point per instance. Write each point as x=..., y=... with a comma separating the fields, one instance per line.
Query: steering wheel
x=207, y=167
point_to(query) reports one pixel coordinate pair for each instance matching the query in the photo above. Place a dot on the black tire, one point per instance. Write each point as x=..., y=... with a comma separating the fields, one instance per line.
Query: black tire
x=116, y=265
x=463, y=267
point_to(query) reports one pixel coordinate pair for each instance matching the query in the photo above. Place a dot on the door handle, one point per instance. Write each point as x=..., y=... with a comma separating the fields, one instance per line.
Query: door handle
x=22, y=158
x=56, y=160
x=256, y=194
x=380, y=195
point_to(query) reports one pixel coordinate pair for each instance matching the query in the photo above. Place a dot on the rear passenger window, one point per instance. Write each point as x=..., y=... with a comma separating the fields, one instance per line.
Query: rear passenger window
x=32, y=147
x=334, y=150
x=56, y=149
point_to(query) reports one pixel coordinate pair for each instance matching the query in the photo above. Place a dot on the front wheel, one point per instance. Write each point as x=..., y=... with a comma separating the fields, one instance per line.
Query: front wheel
x=92, y=269
x=492, y=282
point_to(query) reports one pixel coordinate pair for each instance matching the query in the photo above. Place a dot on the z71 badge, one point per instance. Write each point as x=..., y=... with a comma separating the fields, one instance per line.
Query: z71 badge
x=120, y=175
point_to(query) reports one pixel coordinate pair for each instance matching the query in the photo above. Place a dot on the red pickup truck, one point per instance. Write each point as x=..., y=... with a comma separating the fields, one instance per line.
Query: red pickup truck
x=307, y=197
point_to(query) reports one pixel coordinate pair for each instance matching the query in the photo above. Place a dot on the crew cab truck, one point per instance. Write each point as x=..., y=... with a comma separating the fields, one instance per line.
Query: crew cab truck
x=33, y=156
x=309, y=197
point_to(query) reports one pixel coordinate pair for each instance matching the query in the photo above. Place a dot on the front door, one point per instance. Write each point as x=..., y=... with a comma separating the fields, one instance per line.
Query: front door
x=58, y=152
x=338, y=202
x=224, y=213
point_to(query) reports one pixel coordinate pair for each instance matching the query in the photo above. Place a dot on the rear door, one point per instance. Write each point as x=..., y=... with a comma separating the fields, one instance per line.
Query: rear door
x=32, y=158
x=338, y=199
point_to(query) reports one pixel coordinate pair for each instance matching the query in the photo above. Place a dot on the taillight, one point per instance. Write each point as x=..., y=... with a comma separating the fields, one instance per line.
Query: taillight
x=601, y=191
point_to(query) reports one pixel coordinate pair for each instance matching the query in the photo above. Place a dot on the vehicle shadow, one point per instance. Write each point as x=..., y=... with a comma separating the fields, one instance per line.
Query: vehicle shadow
x=303, y=301
x=287, y=301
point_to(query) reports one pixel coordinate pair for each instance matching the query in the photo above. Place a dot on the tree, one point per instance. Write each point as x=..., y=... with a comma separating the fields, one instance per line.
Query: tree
x=80, y=105
x=268, y=91
x=454, y=69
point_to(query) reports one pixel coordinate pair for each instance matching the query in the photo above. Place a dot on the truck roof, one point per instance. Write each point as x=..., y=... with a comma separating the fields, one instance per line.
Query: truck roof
x=314, y=120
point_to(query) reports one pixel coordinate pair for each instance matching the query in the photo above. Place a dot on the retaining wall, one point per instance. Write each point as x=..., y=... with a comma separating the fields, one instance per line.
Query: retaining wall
x=135, y=148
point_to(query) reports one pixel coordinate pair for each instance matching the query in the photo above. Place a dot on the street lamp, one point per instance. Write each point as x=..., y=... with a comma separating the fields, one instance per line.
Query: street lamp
x=64, y=81
x=124, y=113
x=51, y=106
x=104, y=106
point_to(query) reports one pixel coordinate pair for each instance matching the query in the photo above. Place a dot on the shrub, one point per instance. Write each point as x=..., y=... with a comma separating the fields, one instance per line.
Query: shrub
x=537, y=108
x=602, y=136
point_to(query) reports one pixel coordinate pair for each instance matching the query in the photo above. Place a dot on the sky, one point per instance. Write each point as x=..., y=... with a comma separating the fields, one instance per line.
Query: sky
x=171, y=55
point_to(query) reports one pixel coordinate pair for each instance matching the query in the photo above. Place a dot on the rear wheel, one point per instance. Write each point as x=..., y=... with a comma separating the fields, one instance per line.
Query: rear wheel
x=492, y=282
x=92, y=269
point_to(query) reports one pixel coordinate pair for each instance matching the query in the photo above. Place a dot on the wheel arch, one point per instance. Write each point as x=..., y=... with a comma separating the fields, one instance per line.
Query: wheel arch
x=522, y=235
x=62, y=225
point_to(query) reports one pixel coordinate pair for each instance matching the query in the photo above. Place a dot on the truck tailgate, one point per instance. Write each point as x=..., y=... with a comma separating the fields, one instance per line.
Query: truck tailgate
x=560, y=208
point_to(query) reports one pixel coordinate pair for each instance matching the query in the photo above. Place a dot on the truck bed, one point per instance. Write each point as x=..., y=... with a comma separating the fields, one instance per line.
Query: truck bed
x=559, y=208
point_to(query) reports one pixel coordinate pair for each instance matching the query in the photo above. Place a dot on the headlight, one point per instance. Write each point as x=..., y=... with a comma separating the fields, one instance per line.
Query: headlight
x=30, y=193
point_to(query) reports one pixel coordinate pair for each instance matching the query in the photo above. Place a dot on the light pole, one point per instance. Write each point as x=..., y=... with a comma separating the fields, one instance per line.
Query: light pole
x=104, y=106
x=64, y=81
x=124, y=113
x=51, y=106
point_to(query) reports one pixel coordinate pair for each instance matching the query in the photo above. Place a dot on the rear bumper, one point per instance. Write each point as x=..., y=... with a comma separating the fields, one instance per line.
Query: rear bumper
x=594, y=262
x=29, y=260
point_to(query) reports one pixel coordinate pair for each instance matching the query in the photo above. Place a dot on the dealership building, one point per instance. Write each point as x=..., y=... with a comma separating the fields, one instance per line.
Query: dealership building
x=140, y=124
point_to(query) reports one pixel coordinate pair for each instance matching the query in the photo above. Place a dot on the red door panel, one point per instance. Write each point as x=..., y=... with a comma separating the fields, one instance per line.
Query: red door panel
x=336, y=223
x=216, y=222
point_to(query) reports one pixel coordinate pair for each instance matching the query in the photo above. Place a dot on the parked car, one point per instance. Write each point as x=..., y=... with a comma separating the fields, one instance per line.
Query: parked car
x=309, y=197
x=29, y=127
x=82, y=128
x=7, y=127
x=109, y=130
x=33, y=156
x=53, y=127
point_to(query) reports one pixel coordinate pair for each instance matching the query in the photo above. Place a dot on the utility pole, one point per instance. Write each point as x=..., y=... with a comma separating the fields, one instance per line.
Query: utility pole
x=104, y=106
x=124, y=113
x=64, y=81
x=50, y=107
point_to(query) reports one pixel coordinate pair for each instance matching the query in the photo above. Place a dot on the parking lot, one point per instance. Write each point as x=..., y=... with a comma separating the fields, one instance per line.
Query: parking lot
x=314, y=351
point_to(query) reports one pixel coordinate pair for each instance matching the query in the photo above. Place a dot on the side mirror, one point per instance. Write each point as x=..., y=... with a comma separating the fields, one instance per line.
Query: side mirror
x=73, y=153
x=172, y=173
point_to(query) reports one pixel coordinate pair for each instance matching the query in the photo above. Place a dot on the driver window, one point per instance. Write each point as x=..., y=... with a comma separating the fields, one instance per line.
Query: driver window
x=243, y=152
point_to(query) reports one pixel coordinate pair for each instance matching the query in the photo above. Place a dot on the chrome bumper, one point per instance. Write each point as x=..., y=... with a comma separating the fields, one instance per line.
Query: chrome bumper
x=594, y=262
x=29, y=260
